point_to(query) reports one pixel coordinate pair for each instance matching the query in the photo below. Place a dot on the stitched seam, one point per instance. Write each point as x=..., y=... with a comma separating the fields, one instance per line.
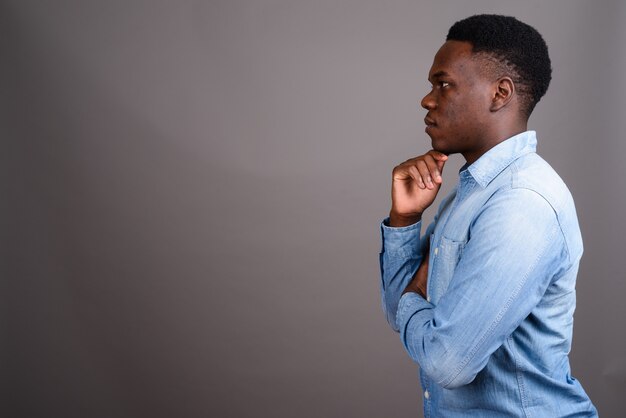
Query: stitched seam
x=501, y=167
x=556, y=215
x=520, y=380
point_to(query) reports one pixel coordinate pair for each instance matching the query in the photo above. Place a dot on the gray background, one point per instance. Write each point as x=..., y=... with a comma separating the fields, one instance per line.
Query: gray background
x=192, y=191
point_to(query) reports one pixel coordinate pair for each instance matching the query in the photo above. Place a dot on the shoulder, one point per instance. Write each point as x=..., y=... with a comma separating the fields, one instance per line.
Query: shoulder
x=532, y=172
x=538, y=189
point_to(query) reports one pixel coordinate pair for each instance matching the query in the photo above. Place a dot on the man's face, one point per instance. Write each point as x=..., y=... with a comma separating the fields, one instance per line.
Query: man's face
x=459, y=103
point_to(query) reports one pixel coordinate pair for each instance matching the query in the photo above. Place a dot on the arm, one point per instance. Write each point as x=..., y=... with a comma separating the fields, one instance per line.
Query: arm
x=415, y=185
x=420, y=280
x=402, y=253
x=513, y=253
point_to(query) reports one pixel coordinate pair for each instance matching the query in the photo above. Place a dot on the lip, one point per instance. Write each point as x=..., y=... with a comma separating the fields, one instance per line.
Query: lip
x=429, y=124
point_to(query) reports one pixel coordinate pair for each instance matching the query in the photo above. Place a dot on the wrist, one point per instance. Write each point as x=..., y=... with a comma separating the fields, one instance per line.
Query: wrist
x=396, y=220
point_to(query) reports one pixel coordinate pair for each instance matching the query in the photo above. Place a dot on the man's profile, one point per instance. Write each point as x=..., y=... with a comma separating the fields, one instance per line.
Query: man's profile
x=484, y=298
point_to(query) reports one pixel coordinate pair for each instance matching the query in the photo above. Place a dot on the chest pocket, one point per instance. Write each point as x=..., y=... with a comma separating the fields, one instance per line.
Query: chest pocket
x=444, y=257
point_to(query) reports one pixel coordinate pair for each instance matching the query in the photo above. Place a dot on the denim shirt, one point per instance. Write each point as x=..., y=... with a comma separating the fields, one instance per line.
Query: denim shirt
x=493, y=335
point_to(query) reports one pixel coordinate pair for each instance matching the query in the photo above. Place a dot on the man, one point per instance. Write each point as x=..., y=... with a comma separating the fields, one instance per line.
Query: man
x=484, y=299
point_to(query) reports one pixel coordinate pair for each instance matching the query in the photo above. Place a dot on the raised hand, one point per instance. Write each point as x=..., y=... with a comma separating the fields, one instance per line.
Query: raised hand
x=415, y=185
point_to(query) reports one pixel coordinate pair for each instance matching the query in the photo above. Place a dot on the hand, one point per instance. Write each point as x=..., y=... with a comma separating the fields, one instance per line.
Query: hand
x=419, y=282
x=415, y=185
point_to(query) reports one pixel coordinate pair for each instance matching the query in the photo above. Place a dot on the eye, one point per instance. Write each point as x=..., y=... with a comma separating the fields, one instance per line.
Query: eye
x=443, y=84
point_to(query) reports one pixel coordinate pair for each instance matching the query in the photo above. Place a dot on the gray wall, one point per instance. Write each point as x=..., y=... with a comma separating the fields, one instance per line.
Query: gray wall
x=191, y=194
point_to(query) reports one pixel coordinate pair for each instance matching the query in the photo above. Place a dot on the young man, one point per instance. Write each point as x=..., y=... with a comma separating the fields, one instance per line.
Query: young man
x=484, y=299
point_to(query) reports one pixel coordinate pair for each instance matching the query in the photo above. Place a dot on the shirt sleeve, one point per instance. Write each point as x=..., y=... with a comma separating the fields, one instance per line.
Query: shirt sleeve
x=514, y=250
x=401, y=254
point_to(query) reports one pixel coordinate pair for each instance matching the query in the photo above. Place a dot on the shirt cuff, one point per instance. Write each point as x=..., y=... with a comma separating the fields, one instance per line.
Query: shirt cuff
x=403, y=240
x=410, y=304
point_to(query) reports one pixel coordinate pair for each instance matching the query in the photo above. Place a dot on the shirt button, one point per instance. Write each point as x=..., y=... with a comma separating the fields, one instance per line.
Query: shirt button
x=436, y=250
x=428, y=299
x=426, y=394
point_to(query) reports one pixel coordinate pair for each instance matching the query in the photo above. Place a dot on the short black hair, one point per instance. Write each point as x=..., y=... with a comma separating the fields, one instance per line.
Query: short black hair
x=517, y=49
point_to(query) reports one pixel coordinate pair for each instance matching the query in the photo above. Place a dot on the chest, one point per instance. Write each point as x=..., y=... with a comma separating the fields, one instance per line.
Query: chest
x=450, y=235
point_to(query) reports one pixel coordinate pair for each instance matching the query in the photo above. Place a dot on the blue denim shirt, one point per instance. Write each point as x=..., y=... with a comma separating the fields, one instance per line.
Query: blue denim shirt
x=493, y=336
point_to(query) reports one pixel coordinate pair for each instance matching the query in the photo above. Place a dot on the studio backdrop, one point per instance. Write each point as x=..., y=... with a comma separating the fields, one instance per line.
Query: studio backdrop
x=192, y=192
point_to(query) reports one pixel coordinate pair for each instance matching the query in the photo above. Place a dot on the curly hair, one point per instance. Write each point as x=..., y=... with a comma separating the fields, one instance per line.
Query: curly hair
x=512, y=48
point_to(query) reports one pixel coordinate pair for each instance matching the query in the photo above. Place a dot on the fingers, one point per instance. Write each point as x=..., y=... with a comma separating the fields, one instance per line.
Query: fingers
x=416, y=176
x=439, y=159
x=430, y=166
x=437, y=155
x=424, y=170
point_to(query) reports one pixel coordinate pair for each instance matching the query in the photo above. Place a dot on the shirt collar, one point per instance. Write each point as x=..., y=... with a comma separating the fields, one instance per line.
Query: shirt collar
x=491, y=163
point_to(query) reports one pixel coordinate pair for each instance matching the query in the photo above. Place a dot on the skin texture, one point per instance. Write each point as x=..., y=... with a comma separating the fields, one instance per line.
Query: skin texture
x=470, y=111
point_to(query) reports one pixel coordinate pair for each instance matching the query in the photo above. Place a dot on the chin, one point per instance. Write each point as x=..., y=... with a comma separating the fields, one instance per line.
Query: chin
x=442, y=148
x=437, y=144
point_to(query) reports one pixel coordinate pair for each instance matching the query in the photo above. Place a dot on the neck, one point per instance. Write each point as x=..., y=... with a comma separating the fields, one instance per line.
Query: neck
x=495, y=136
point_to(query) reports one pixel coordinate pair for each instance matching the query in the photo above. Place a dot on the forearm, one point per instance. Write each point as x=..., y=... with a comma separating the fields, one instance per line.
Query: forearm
x=485, y=302
x=419, y=282
x=401, y=254
x=415, y=184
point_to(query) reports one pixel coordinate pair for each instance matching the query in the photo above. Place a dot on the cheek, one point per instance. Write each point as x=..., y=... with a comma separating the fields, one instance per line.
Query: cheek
x=450, y=112
x=481, y=99
x=472, y=111
x=457, y=115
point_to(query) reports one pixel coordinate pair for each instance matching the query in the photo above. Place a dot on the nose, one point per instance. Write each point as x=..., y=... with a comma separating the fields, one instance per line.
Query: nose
x=428, y=102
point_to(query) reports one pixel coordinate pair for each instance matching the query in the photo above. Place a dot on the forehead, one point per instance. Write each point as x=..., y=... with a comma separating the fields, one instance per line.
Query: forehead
x=454, y=58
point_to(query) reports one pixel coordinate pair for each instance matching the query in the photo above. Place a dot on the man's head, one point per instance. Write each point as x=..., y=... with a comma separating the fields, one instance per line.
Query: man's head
x=487, y=78
x=512, y=48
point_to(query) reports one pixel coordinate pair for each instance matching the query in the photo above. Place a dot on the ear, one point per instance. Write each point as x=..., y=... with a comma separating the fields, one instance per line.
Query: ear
x=503, y=93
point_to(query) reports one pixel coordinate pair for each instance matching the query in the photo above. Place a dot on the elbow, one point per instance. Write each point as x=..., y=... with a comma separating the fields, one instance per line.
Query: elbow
x=391, y=320
x=390, y=313
x=462, y=379
x=393, y=325
x=440, y=356
x=447, y=370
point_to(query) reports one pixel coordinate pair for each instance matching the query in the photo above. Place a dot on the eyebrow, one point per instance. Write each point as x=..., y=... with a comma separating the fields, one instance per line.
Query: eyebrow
x=438, y=74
